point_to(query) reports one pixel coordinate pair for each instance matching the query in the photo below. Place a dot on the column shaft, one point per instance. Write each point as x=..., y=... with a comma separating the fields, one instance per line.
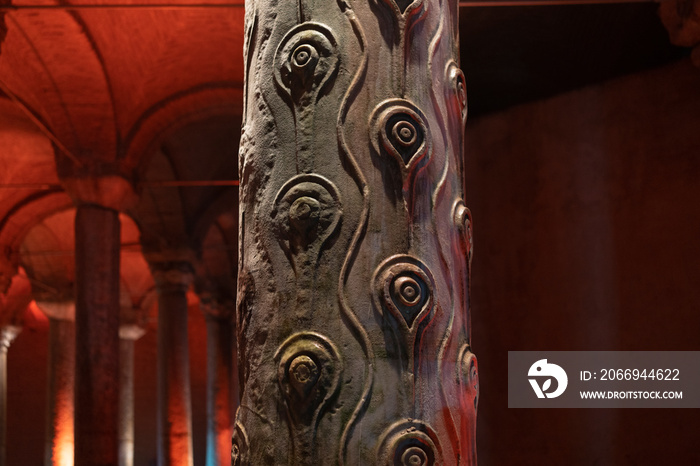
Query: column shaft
x=174, y=405
x=126, y=402
x=59, y=446
x=7, y=335
x=220, y=395
x=353, y=315
x=3, y=405
x=97, y=237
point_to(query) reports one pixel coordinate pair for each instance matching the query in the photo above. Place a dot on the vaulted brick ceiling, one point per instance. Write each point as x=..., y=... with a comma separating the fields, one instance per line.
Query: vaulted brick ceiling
x=154, y=92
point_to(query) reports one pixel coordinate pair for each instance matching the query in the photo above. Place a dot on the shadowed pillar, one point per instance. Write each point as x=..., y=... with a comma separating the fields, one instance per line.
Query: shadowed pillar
x=97, y=244
x=15, y=296
x=99, y=199
x=222, y=377
x=7, y=335
x=173, y=279
x=353, y=317
x=59, y=446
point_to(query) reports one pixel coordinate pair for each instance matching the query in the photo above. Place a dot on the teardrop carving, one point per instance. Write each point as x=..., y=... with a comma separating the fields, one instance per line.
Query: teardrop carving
x=469, y=376
x=463, y=220
x=409, y=443
x=457, y=89
x=239, y=446
x=404, y=286
x=398, y=128
x=306, y=60
x=307, y=212
x=309, y=368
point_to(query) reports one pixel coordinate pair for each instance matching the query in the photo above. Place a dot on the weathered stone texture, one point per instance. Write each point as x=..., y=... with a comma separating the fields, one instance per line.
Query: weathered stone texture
x=353, y=308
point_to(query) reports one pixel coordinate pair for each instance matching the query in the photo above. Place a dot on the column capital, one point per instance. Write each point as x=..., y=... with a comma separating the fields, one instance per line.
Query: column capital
x=216, y=307
x=111, y=191
x=682, y=21
x=172, y=275
x=217, y=297
x=131, y=332
x=58, y=310
x=132, y=322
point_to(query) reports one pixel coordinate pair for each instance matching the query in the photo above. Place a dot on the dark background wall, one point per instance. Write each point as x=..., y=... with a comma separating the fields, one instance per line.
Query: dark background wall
x=586, y=214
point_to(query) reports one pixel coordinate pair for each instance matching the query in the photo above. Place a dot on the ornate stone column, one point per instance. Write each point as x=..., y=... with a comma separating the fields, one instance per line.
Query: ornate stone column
x=99, y=199
x=128, y=334
x=59, y=446
x=353, y=322
x=222, y=376
x=173, y=278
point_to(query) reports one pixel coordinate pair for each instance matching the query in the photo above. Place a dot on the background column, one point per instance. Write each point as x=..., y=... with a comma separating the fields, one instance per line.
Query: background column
x=15, y=296
x=99, y=198
x=60, y=439
x=128, y=334
x=173, y=280
x=222, y=377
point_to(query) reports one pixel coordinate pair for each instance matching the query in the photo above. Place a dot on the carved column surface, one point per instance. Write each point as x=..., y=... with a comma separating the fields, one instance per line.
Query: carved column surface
x=128, y=334
x=353, y=315
x=7, y=335
x=222, y=377
x=173, y=279
x=60, y=416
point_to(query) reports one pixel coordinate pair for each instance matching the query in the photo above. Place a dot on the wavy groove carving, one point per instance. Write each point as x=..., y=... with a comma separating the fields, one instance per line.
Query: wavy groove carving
x=440, y=189
x=356, y=172
x=469, y=376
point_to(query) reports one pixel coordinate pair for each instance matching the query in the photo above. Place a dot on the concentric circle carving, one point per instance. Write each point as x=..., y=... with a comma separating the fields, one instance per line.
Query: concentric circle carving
x=409, y=443
x=469, y=375
x=398, y=128
x=457, y=88
x=404, y=291
x=405, y=287
x=305, y=61
x=303, y=374
x=307, y=212
x=308, y=372
x=462, y=217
